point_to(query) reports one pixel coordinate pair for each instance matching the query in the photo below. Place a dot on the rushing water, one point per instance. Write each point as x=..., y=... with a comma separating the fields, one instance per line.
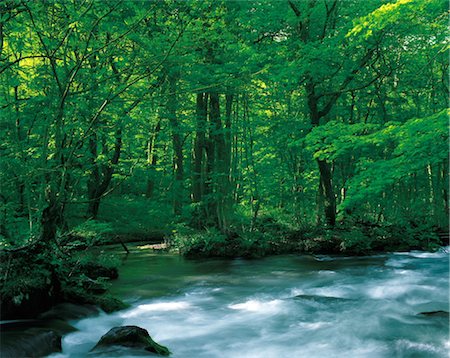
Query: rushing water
x=284, y=306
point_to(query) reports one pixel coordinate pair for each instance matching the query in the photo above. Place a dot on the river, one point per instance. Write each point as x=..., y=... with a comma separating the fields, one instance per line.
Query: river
x=281, y=306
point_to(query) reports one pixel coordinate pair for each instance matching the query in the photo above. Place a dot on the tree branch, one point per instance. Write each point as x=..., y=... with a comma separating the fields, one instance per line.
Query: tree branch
x=335, y=96
x=294, y=8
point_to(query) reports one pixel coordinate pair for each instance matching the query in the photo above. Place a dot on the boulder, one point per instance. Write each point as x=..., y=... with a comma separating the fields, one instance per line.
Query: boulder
x=108, y=303
x=132, y=337
x=69, y=311
x=28, y=304
x=33, y=344
x=94, y=271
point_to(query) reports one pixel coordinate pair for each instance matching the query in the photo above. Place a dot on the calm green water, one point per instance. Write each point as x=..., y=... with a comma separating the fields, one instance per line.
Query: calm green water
x=284, y=306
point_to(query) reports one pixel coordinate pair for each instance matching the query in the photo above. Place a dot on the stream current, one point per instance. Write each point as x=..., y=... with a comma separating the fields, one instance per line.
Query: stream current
x=281, y=306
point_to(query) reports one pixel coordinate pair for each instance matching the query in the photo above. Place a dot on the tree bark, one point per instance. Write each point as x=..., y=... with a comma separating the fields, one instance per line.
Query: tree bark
x=152, y=159
x=327, y=191
x=199, y=148
x=100, y=177
x=326, y=196
x=52, y=217
x=228, y=139
x=177, y=143
x=220, y=162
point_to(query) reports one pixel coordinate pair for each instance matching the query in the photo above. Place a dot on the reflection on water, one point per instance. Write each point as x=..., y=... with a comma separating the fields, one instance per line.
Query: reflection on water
x=286, y=306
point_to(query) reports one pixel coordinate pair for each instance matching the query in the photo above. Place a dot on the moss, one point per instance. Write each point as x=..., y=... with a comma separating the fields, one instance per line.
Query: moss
x=133, y=337
x=109, y=303
x=106, y=302
x=157, y=348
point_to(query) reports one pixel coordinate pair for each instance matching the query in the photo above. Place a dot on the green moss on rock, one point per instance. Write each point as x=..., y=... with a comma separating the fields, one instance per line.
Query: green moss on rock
x=132, y=337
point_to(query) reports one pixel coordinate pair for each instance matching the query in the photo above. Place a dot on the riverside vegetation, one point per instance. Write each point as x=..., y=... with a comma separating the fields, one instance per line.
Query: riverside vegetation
x=226, y=128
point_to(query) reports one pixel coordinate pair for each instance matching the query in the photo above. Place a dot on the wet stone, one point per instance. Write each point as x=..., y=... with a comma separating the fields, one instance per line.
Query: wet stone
x=132, y=337
x=33, y=344
x=442, y=314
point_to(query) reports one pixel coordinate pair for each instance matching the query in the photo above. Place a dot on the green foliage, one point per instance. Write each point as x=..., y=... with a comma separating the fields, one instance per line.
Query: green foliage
x=255, y=244
x=92, y=232
x=336, y=140
x=194, y=243
x=418, y=143
x=397, y=15
x=135, y=215
x=103, y=134
x=21, y=279
x=355, y=241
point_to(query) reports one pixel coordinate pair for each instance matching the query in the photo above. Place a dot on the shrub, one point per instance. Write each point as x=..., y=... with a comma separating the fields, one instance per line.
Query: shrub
x=355, y=241
x=91, y=233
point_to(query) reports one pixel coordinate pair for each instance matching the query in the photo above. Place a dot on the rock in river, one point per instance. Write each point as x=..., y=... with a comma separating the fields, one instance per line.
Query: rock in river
x=37, y=344
x=132, y=337
x=443, y=314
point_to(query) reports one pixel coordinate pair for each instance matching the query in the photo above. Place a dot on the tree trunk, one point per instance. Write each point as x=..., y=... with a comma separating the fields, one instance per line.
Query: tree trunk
x=100, y=178
x=228, y=138
x=208, y=199
x=177, y=143
x=52, y=217
x=220, y=165
x=326, y=197
x=327, y=192
x=20, y=182
x=236, y=174
x=3, y=230
x=445, y=186
x=94, y=178
x=199, y=148
x=255, y=199
x=55, y=182
x=152, y=159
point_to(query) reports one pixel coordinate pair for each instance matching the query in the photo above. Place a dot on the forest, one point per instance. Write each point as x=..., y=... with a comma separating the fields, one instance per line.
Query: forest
x=215, y=129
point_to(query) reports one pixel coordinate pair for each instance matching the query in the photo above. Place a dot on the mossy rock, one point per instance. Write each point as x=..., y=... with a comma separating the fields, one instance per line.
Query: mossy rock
x=109, y=304
x=131, y=337
x=69, y=311
x=33, y=342
x=28, y=304
x=104, y=301
x=94, y=271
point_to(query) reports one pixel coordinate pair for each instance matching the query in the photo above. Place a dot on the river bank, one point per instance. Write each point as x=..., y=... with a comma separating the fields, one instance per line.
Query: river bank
x=271, y=238
x=81, y=271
